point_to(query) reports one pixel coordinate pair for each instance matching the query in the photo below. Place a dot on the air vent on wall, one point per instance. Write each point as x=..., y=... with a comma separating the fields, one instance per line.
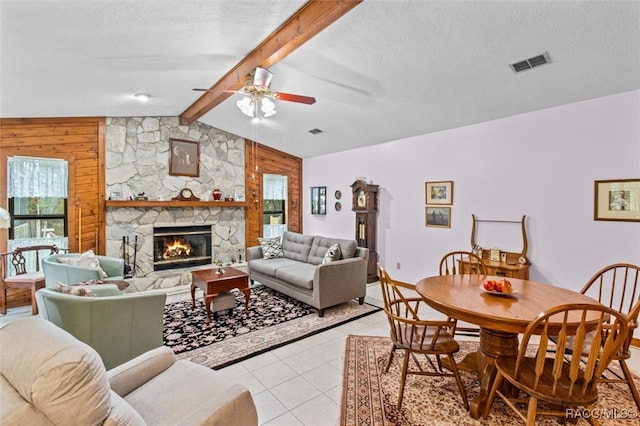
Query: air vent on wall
x=531, y=62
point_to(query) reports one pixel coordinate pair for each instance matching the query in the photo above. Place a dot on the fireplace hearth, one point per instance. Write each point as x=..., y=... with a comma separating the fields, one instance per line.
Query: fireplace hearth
x=181, y=247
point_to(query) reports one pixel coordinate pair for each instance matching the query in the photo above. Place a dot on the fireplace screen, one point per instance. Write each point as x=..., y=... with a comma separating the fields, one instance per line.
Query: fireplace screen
x=181, y=247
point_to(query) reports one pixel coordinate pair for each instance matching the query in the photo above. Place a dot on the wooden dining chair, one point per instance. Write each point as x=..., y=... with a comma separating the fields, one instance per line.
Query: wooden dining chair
x=462, y=262
x=416, y=336
x=459, y=263
x=554, y=380
x=618, y=287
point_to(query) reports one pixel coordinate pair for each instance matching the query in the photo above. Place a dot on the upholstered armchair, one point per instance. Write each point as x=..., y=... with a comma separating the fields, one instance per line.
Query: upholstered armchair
x=111, y=269
x=118, y=326
x=48, y=377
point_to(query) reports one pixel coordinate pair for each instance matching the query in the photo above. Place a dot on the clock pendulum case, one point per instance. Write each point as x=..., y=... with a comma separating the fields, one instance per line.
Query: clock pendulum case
x=365, y=205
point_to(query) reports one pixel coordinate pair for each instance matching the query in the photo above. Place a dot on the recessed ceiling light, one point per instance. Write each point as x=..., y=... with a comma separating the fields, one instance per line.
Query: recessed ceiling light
x=142, y=97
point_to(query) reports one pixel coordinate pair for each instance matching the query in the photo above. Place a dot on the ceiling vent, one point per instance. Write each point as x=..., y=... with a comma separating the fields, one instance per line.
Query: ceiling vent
x=531, y=62
x=315, y=131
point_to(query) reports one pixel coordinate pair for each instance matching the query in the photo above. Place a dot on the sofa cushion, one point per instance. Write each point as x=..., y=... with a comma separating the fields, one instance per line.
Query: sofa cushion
x=87, y=259
x=269, y=266
x=320, y=246
x=61, y=372
x=296, y=246
x=190, y=394
x=271, y=248
x=300, y=274
x=75, y=290
x=333, y=253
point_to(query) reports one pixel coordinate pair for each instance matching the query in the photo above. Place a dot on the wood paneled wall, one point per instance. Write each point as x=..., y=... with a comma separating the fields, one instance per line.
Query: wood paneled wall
x=81, y=142
x=270, y=161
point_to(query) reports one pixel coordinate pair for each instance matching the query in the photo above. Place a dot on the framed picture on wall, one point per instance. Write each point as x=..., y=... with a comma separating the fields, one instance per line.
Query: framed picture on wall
x=184, y=157
x=438, y=217
x=439, y=192
x=318, y=200
x=617, y=200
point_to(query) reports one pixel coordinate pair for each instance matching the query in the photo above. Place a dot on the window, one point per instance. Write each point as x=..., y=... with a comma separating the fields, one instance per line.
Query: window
x=37, y=192
x=37, y=217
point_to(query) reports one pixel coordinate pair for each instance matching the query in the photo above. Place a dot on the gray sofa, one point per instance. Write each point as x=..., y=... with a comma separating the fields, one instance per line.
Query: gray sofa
x=301, y=273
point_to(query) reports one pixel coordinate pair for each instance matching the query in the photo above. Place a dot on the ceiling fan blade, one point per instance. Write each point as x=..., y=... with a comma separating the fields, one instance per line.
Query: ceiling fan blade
x=214, y=90
x=290, y=97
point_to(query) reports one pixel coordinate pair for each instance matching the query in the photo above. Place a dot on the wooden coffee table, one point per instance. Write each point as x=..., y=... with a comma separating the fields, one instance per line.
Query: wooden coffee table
x=212, y=283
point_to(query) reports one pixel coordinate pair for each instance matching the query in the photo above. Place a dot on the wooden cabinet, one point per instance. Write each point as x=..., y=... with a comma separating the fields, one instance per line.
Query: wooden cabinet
x=514, y=265
x=501, y=269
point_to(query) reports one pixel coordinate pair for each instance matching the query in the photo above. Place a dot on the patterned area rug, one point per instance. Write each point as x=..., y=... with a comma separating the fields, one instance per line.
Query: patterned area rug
x=273, y=320
x=369, y=395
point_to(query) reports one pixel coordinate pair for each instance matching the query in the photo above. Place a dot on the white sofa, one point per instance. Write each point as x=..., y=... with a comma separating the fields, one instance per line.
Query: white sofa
x=48, y=377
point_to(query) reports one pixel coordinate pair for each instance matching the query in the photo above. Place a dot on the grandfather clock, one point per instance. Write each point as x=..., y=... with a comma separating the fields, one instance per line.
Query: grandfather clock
x=365, y=205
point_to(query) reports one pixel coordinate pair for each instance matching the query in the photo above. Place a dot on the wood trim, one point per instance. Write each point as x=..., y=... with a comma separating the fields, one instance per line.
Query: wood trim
x=635, y=342
x=313, y=17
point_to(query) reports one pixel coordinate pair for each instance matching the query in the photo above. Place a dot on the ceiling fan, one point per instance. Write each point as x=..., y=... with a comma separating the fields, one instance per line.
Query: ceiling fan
x=257, y=90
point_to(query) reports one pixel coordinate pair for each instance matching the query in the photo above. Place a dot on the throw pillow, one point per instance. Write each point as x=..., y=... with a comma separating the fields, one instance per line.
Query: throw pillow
x=271, y=248
x=87, y=260
x=75, y=290
x=333, y=253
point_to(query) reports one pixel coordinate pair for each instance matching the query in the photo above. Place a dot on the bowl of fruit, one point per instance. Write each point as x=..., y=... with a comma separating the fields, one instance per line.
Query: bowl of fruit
x=498, y=287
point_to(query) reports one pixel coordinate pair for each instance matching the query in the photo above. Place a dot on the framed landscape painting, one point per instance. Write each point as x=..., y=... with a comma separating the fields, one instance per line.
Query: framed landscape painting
x=438, y=217
x=439, y=192
x=617, y=200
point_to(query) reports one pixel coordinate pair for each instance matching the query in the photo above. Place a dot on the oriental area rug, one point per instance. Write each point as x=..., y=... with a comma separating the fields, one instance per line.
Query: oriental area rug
x=369, y=395
x=273, y=320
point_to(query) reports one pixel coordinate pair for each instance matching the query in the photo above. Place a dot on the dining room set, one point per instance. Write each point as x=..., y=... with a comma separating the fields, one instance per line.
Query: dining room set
x=543, y=350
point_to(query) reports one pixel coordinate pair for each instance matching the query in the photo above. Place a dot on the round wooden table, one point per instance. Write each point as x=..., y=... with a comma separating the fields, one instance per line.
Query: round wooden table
x=500, y=317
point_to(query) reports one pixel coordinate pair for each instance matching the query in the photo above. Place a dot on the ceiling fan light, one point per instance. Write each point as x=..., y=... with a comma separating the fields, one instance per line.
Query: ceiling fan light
x=246, y=106
x=268, y=107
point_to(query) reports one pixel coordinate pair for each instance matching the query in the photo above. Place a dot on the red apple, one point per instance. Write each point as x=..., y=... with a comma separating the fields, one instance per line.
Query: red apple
x=498, y=286
x=489, y=285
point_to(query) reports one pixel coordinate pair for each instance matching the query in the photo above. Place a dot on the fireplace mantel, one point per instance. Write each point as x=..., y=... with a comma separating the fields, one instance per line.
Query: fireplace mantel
x=172, y=204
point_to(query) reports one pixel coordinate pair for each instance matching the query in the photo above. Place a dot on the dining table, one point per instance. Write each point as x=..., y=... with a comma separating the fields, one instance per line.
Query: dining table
x=501, y=317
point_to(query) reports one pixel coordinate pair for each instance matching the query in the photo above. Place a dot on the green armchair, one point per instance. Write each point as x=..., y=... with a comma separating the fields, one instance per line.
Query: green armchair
x=65, y=273
x=118, y=326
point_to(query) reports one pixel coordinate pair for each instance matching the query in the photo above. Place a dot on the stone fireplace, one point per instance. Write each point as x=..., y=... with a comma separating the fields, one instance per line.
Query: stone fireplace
x=137, y=159
x=181, y=247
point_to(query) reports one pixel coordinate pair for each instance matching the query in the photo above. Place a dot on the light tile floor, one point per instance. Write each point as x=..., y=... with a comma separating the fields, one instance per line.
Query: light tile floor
x=301, y=383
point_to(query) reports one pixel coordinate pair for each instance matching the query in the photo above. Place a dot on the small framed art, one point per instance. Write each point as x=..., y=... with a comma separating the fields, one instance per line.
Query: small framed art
x=438, y=217
x=318, y=200
x=617, y=200
x=184, y=157
x=439, y=192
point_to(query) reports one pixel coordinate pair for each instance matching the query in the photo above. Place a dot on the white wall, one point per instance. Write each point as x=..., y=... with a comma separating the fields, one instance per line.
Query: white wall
x=542, y=164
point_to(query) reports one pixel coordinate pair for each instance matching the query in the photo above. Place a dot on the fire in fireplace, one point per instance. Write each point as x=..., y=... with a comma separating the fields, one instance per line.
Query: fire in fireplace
x=181, y=247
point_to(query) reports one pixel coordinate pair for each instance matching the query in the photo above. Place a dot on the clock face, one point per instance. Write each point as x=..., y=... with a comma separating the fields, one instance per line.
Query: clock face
x=186, y=193
x=362, y=199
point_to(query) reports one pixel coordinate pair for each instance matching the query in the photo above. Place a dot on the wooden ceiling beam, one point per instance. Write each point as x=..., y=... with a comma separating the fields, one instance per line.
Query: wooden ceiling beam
x=309, y=20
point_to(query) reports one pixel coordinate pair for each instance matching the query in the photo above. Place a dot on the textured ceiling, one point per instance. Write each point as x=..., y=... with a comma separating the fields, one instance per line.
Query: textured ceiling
x=385, y=71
